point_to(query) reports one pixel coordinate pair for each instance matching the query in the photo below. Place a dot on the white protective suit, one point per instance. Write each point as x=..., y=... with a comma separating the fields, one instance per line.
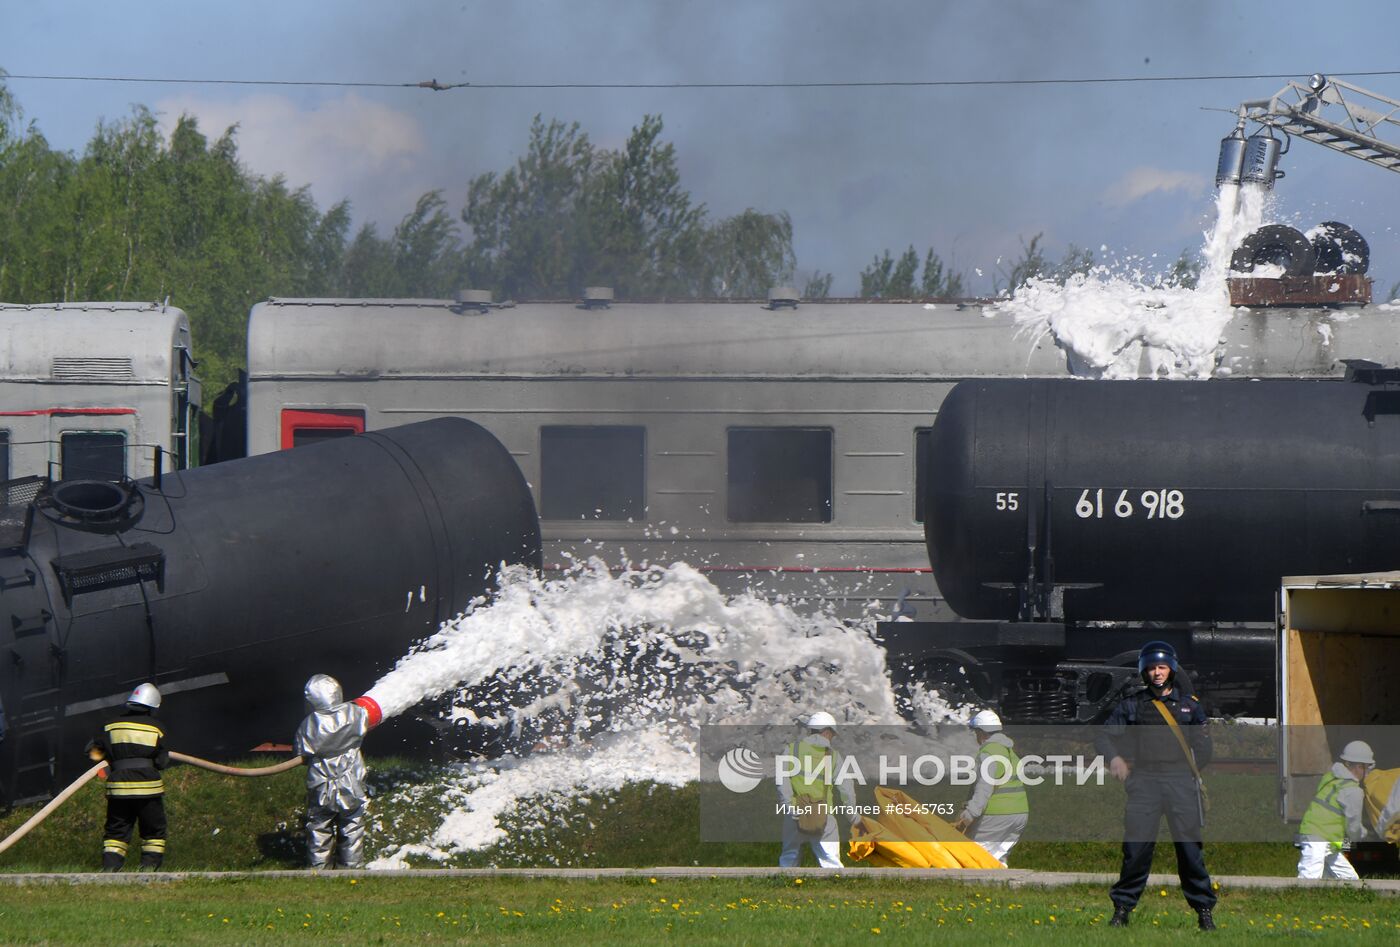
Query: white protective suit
x=329, y=739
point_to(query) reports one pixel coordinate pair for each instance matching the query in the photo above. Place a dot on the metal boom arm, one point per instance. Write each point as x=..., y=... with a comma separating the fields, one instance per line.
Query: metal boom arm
x=1333, y=113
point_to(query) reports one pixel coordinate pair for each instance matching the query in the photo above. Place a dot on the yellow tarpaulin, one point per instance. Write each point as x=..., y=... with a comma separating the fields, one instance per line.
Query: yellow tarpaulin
x=903, y=836
x=1380, y=786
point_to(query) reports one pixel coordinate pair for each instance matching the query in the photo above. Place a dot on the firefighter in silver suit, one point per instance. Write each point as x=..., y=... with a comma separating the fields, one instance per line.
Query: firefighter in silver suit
x=329, y=739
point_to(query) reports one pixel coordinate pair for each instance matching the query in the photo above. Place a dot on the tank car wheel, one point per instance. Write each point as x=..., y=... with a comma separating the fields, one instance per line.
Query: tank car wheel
x=1276, y=245
x=957, y=677
x=1340, y=249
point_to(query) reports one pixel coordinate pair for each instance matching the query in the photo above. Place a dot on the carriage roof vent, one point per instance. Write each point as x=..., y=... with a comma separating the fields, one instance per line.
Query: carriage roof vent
x=597, y=297
x=783, y=297
x=471, y=300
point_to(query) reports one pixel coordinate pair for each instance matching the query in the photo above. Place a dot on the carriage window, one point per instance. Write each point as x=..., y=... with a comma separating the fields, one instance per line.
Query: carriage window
x=92, y=455
x=592, y=473
x=921, y=435
x=315, y=435
x=779, y=475
x=303, y=426
x=4, y=456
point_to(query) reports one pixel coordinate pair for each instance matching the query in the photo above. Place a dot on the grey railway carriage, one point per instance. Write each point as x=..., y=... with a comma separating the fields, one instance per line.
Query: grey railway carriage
x=90, y=390
x=767, y=446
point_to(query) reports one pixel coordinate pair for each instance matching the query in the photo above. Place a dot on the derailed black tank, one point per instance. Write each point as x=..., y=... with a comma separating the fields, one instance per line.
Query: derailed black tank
x=1157, y=500
x=229, y=585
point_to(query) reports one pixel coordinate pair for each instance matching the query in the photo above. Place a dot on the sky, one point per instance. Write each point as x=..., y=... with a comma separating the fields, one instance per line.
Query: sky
x=972, y=171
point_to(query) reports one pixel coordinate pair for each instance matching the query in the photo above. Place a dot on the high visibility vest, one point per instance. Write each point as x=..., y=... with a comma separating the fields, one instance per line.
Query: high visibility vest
x=809, y=758
x=1325, y=818
x=1010, y=797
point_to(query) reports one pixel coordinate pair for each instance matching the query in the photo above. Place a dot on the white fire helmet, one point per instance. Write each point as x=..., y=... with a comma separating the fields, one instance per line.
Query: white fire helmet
x=146, y=695
x=986, y=721
x=1358, y=752
x=821, y=720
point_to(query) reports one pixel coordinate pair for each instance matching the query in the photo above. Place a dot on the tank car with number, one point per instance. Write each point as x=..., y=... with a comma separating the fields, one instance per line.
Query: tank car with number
x=1072, y=515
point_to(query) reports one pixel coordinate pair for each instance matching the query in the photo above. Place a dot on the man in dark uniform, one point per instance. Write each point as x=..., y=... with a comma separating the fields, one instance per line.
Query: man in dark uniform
x=1145, y=753
x=134, y=744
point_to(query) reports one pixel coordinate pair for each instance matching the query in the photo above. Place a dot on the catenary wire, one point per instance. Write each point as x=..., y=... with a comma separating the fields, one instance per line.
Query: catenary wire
x=434, y=85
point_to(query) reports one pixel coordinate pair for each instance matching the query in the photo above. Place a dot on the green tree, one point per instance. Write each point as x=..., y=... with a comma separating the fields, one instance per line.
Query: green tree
x=747, y=255
x=34, y=223
x=136, y=217
x=875, y=278
x=887, y=278
x=816, y=285
x=652, y=237
x=569, y=215
x=529, y=237
x=9, y=111
x=368, y=265
x=423, y=258
x=1031, y=265
x=901, y=284
x=938, y=282
x=1077, y=261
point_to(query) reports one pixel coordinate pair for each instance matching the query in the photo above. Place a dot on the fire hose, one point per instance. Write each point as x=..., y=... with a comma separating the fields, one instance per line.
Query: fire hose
x=374, y=717
x=82, y=780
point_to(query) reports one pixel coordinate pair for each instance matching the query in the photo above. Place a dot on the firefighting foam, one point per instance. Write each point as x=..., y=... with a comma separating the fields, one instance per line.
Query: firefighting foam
x=1124, y=320
x=597, y=680
x=594, y=650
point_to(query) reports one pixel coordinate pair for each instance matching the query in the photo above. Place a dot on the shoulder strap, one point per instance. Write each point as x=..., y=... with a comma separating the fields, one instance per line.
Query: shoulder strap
x=1176, y=730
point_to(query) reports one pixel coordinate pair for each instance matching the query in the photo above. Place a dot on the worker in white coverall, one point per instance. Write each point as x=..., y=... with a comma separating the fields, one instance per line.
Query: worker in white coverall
x=1333, y=819
x=812, y=789
x=329, y=739
x=997, y=811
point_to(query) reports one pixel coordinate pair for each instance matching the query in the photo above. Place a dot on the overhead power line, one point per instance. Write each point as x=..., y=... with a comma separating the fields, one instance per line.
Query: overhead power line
x=434, y=85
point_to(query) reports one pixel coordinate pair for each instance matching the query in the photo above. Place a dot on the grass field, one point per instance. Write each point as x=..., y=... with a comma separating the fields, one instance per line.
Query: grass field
x=764, y=911
x=220, y=823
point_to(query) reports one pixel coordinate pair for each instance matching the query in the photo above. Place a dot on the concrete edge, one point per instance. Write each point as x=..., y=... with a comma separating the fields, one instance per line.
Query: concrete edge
x=1008, y=878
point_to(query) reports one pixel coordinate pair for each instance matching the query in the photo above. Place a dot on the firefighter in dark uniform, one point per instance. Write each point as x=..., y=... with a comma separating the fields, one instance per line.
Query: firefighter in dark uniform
x=134, y=744
x=1145, y=753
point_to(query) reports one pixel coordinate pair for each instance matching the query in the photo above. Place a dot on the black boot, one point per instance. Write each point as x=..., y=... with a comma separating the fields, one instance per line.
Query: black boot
x=1120, y=916
x=1205, y=920
x=111, y=862
x=150, y=862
